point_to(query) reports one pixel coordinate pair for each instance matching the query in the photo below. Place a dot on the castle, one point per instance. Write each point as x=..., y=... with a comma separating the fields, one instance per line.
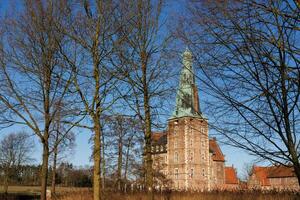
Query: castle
x=184, y=154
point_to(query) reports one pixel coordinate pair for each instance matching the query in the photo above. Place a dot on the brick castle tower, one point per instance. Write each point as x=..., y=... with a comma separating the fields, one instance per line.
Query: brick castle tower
x=184, y=153
x=188, y=143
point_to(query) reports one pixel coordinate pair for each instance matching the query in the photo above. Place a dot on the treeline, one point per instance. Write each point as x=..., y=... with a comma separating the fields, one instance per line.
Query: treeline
x=66, y=175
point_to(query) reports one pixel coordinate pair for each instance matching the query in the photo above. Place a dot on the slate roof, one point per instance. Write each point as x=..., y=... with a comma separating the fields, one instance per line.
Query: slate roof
x=216, y=151
x=231, y=176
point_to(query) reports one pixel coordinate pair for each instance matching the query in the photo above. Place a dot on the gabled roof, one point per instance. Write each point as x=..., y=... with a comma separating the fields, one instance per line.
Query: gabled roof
x=261, y=174
x=215, y=150
x=231, y=176
x=264, y=173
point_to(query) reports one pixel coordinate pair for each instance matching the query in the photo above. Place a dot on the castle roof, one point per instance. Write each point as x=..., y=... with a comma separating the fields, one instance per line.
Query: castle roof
x=231, y=176
x=159, y=138
x=187, y=100
x=214, y=148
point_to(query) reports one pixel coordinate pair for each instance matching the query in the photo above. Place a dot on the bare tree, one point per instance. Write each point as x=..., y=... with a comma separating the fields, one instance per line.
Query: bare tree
x=15, y=150
x=34, y=77
x=91, y=28
x=142, y=67
x=123, y=134
x=249, y=54
x=61, y=140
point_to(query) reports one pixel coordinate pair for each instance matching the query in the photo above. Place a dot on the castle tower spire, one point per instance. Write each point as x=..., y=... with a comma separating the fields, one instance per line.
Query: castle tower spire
x=187, y=100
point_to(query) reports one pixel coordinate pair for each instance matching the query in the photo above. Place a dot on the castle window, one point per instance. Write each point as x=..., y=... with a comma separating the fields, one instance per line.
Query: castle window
x=175, y=144
x=203, y=172
x=191, y=155
x=202, y=156
x=191, y=142
x=176, y=173
x=192, y=173
x=202, y=130
x=176, y=157
x=175, y=130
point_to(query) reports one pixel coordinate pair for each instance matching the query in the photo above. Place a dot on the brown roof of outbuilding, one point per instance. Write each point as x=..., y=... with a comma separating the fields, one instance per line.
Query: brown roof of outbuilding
x=216, y=151
x=231, y=176
x=261, y=174
x=281, y=171
x=264, y=173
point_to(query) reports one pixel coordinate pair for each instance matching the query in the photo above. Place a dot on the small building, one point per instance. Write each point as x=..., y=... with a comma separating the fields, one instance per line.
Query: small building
x=273, y=177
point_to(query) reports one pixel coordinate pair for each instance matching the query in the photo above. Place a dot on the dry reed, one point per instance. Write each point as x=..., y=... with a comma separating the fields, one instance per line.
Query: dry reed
x=216, y=195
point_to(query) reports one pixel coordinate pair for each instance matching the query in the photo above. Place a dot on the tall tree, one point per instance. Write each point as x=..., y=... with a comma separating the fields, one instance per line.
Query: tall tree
x=142, y=67
x=249, y=55
x=61, y=140
x=34, y=75
x=92, y=29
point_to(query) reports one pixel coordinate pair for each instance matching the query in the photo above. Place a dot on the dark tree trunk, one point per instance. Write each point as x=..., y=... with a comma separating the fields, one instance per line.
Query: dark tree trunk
x=120, y=159
x=97, y=160
x=53, y=183
x=44, y=171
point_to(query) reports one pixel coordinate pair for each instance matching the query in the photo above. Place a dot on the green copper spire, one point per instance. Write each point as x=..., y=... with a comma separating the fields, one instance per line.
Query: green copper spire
x=187, y=100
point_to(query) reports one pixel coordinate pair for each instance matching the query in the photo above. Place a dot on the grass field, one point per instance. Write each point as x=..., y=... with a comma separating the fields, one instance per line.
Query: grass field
x=36, y=189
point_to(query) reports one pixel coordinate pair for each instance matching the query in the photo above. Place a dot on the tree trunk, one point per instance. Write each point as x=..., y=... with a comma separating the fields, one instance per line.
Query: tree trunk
x=127, y=159
x=297, y=172
x=53, y=183
x=103, y=163
x=148, y=154
x=44, y=172
x=97, y=160
x=120, y=159
x=6, y=181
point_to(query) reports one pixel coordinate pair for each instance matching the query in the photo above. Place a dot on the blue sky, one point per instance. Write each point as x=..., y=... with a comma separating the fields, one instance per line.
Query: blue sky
x=81, y=155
